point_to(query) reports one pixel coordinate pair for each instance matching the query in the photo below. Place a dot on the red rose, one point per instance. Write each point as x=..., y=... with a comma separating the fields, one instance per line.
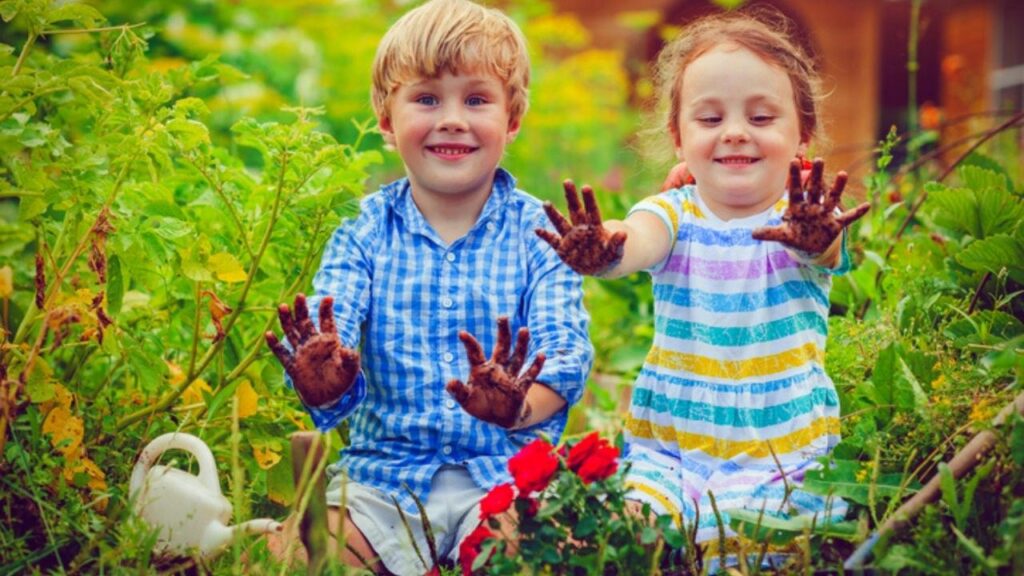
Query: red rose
x=593, y=458
x=469, y=549
x=497, y=501
x=533, y=466
x=434, y=572
x=582, y=450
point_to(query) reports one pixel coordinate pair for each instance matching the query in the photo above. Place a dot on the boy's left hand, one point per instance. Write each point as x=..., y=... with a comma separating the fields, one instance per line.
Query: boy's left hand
x=810, y=223
x=496, y=391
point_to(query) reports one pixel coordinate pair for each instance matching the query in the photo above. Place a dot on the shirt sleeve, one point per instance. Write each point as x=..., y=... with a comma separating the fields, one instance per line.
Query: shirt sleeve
x=666, y=208
x=345, y=274
x=557, y=320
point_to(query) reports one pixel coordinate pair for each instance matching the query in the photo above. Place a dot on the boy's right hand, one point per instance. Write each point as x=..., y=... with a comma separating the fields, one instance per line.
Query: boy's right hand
x=320, y=367
x=585, y=245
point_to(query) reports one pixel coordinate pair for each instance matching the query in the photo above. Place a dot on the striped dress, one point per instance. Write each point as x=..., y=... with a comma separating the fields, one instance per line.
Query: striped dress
x=736, y=372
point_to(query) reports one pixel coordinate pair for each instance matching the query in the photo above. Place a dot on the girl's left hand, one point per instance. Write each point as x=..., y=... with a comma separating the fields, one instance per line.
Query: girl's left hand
x=810, y=223
x=496, y=392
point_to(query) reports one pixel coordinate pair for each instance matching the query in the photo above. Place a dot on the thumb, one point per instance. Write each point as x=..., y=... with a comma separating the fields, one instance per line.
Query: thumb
x=460, y=391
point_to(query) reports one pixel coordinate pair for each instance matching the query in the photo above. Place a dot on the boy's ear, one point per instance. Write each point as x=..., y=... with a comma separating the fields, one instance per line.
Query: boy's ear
x=386, y=130
x=514, y=124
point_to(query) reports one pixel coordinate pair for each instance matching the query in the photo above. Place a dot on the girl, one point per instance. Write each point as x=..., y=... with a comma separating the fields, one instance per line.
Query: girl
x=733, y=398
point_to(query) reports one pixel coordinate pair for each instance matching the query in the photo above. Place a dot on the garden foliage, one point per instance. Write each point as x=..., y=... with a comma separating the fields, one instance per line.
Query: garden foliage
x=169, y=172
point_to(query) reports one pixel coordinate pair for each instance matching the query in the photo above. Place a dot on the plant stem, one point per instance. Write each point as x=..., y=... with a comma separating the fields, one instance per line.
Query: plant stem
x=25, y=49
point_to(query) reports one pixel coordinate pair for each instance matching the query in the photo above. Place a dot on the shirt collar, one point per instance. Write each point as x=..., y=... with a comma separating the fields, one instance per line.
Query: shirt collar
x=398, y=195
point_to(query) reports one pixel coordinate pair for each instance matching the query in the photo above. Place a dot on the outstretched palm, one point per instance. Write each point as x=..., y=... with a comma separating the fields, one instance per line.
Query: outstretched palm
x=321, y=368
x=584, y=244
x=810, y=223
x=495, y=390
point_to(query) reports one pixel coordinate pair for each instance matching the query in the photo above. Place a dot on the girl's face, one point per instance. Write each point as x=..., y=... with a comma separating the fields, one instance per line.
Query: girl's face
x=738, y=130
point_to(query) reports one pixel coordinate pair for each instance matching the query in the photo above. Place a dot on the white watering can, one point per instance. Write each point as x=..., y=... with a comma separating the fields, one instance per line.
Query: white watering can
x=189, y=510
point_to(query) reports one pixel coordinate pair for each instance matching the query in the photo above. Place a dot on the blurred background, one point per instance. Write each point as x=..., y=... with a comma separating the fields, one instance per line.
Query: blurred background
x=949, y=67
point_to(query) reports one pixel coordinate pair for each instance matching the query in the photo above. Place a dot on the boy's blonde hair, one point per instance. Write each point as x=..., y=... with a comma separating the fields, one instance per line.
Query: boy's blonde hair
x=765, y=32
x=455, y=36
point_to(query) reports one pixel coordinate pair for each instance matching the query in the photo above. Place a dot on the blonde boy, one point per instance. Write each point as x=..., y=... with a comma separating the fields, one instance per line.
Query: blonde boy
x=434, y=259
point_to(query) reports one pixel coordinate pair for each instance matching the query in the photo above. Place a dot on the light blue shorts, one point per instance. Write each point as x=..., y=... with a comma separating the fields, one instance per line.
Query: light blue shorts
x=453, y=508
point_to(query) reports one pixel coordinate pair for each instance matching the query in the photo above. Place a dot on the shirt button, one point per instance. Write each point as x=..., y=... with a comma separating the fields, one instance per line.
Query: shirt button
x=447, y=450
x=447, y=302
x=450, y=257
x=450, y=403
x=490, y=225
x=448, y=356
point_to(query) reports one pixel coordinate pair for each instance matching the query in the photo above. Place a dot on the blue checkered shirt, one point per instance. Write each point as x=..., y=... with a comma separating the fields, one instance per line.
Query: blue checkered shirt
x=404, y=295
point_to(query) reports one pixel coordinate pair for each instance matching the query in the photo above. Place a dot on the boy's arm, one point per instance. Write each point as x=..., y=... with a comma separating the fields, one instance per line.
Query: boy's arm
x=607, y=249
x=343, y=281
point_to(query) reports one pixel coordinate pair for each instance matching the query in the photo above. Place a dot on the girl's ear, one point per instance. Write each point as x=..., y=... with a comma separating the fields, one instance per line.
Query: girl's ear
x=386, y=130
x=677, y=141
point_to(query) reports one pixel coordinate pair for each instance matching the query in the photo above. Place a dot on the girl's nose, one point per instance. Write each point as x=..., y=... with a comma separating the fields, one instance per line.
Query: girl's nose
x=735, y=132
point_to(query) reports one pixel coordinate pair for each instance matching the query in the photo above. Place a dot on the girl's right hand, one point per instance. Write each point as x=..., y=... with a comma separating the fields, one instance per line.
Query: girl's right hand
x=320, y=367
x=584, y=244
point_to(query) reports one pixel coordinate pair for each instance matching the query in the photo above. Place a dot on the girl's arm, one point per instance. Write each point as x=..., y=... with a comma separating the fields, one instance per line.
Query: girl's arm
x=647, y=243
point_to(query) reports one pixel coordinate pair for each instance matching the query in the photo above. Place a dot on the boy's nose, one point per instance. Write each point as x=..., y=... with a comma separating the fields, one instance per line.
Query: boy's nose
x=452, y=120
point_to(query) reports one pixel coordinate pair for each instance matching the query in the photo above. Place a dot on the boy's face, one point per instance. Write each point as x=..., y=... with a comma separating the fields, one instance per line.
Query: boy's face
x=451, y=132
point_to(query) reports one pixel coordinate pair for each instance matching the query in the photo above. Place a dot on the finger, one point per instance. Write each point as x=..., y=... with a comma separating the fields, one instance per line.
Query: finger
x=852, y=215
x=288, y=325
x=550, y=237
x=533, y=371
x=773, y=234
x=573, y=203
x=303, y=324
x=616, y=242
x=677, y=177
x=561, y=224
x=327, y=316
x=796, y=191
x=590, y=203
x=814, y=186
x=474, y=351
x=282, y=353
x=460, y=391
x=519, y=356
x=501, y=346
x=836, y=192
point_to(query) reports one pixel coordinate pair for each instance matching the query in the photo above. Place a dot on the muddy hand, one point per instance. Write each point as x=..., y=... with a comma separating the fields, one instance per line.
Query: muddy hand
x=321, y=369
x=810, y=223
x=495, y=391
x=583, y=244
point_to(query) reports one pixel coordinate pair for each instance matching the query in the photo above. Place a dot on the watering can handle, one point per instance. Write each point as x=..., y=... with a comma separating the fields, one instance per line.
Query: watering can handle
x=182, y=441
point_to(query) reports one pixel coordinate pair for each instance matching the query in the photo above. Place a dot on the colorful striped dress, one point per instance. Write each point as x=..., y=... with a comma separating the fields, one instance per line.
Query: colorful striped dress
x=736, y=372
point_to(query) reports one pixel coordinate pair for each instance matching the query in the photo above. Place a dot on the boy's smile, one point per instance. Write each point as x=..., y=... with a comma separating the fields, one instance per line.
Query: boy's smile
x=738, y=130
x=451, y=132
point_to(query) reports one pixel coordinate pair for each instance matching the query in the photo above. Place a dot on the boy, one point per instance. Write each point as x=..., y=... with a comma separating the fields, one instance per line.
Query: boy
x=433, y=260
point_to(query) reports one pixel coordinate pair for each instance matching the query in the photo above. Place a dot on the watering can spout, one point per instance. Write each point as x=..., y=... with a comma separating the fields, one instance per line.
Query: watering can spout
x=218, y=536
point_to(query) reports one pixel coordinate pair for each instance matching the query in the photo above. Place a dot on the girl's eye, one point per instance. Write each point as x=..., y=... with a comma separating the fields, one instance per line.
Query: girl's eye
x=476, y=101
x=709, y=120
x=426, y=100
x=761, y=119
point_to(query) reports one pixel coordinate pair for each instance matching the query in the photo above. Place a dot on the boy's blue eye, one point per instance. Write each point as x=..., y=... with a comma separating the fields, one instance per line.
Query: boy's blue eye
x=475, y=101
x=426, y=100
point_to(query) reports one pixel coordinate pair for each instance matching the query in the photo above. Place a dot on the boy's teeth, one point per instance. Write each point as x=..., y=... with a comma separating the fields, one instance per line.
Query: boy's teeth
x=736, y=160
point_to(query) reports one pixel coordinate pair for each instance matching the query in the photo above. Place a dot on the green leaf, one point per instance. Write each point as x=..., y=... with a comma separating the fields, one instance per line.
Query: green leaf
x=226, y=267
x=998, y=210
x=1017, y=440
x=585, y=527
x=115, y=285
x=170, y=228
x=840, y=478
x=779, y=530
x=953, y=208
x=82, y=13
x=39, y=384
x=9, y=9
x=918, y=394
x=994, y=254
